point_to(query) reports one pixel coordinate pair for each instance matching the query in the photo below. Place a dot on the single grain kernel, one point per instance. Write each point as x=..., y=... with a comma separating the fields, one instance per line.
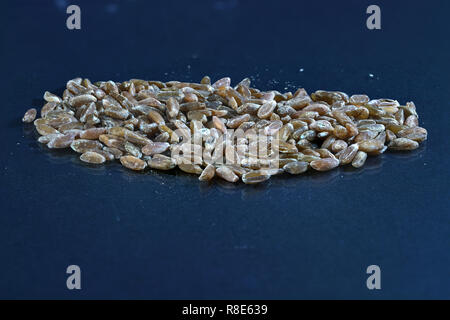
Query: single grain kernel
x=133, y=163
x=92, y=157
x=29, y=116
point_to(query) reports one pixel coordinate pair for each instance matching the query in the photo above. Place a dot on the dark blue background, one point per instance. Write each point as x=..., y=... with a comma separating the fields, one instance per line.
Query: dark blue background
x=165, y=235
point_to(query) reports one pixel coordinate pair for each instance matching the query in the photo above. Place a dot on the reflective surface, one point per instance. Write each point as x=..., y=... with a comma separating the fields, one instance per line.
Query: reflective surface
x=166, y=235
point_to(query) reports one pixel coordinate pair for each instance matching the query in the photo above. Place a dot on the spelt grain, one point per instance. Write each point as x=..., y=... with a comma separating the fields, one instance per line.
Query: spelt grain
x=227, y=174
x=92, y=157
x=29, y=116
x=324, y=164
x=359, y=159
x=296, y=167
x=144, y=119
x=133, y=163
x=255, y=176
x=403, y=144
